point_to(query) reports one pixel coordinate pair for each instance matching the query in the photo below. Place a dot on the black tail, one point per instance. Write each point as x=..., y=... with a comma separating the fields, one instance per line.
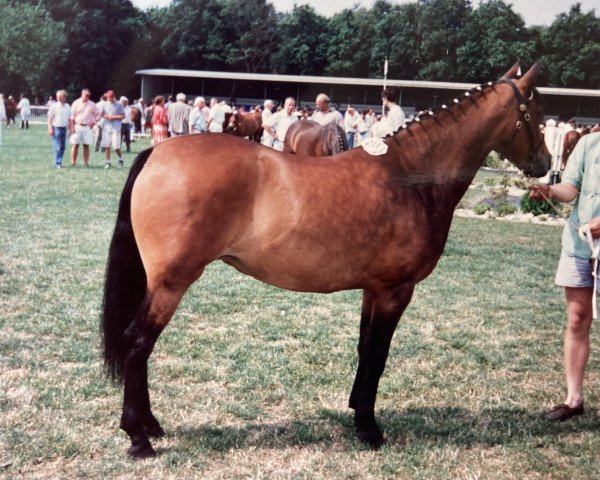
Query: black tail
x=125, y=284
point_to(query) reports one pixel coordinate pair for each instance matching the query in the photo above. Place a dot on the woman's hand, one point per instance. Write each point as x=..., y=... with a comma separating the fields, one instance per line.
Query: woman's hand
x=540, y=191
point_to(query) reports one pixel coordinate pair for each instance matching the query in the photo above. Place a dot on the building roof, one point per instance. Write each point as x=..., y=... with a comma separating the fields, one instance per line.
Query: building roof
x=265, y=77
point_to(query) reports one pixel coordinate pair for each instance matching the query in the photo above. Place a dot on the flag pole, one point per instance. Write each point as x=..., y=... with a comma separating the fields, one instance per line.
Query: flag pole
x=385, y=72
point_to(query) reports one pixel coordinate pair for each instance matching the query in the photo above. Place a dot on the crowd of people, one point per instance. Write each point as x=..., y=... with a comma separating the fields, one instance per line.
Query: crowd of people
x=107, y=124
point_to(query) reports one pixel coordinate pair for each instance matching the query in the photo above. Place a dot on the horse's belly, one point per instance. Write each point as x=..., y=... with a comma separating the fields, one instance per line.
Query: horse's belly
x=332, y=263
x=295, y=272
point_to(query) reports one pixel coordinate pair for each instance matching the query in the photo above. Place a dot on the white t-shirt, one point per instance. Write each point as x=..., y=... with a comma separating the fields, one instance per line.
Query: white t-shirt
x=217, y=113
x=280, y=122
x=332, y=116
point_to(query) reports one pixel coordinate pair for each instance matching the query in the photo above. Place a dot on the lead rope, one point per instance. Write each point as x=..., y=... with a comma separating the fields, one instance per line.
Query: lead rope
x=586, y=235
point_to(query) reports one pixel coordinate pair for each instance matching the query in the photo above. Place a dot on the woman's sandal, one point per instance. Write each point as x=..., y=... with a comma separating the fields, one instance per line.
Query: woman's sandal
x=562, y=412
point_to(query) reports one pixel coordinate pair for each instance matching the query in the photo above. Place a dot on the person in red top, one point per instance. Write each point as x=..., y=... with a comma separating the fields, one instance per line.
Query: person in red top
x=159, y=121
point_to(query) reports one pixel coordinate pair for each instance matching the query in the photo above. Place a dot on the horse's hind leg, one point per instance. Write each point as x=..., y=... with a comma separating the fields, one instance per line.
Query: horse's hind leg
x=374, y=345
x=154, y=314
x=365, y=320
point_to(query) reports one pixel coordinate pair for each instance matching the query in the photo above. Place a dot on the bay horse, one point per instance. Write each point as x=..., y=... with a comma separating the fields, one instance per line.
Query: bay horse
x=244, y=124
x=310, y=138
x=136, y=119
x=309, y=224
x=569, y=142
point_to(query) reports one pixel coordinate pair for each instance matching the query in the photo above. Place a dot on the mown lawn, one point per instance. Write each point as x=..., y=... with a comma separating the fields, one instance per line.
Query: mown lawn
x=252, y=382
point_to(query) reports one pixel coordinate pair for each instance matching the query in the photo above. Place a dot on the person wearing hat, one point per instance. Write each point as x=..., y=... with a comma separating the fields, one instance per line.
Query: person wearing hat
x=113, y=114
x=126, y=123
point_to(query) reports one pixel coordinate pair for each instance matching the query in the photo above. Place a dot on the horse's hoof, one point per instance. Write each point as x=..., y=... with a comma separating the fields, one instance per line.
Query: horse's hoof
x=154, y=431
x=142, y=451
x=372, y=438
x=368, y=433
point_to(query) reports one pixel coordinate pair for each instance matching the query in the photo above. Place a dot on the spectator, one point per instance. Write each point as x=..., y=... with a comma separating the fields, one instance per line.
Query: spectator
x=59, y=115
x=351, y=121
x=277, y=124
x=365, y=123
x=179, y=115
x=99, y=124
x=84, y=115
x=324, y=113
x=159, y=121
x=170, y=101
x=24, y=108
x=113, y=114
x=126, y=123
x=216, y=117
x=267, y=139
x=575, y=271
x=50, y=101
x=198, y=116
x=395, y=116
x=2, y=114
x=147, y=127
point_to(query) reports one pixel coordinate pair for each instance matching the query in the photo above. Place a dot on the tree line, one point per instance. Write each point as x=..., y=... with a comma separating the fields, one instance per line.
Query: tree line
x=101, y=43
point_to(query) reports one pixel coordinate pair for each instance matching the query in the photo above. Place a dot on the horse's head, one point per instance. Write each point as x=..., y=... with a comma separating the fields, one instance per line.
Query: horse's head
x=520, y=138
x=230, y=124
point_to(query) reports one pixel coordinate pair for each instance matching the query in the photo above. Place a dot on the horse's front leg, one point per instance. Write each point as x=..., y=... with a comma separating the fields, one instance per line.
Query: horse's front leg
x=374, y=345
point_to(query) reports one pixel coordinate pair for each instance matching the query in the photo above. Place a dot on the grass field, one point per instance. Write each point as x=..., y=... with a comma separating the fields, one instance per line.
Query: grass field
x=252, y=382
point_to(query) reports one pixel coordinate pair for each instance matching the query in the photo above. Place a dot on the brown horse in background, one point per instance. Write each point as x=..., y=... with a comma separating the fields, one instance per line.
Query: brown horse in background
x=569, y=141
x=310, y=138
x=244, y=124
x=10, y=105
x=136, y=119
x=314, y=224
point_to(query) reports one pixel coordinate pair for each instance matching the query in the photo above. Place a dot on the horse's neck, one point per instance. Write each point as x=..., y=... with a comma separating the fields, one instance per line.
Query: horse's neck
x=449, y=148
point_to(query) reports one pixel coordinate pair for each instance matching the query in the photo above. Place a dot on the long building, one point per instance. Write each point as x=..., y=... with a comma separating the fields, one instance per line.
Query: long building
x=414, y=95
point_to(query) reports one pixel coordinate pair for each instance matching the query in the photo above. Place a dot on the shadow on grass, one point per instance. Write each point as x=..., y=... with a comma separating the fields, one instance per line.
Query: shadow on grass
x=439, y=426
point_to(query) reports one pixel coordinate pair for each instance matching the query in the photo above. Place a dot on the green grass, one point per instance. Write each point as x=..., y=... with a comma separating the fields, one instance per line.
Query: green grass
x=252, y=382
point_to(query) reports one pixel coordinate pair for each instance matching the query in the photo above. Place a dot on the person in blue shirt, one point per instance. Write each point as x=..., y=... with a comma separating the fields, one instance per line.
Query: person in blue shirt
x=581, y=183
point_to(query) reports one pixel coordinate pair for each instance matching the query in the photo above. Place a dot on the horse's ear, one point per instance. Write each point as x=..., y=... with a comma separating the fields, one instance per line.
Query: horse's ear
x=512, y=73
x=528, y=81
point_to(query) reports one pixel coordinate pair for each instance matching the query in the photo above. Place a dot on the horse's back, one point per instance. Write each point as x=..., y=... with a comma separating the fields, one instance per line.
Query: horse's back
x=310, y=138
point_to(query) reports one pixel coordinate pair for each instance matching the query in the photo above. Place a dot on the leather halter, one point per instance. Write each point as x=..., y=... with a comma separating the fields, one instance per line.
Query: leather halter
x=524, y=119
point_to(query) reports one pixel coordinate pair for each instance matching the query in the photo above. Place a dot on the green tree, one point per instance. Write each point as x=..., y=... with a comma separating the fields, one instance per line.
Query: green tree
x=493, y=38
x=30, y=41
x=438, y=32
x=194, y=35
x=349, y=43
x=99, y=34
x=251, y=36
x=303, y=43
x=571, y=50
x=395, y=37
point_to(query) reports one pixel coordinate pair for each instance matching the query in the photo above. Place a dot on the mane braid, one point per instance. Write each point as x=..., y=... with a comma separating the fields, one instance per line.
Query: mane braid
x=472, y=95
